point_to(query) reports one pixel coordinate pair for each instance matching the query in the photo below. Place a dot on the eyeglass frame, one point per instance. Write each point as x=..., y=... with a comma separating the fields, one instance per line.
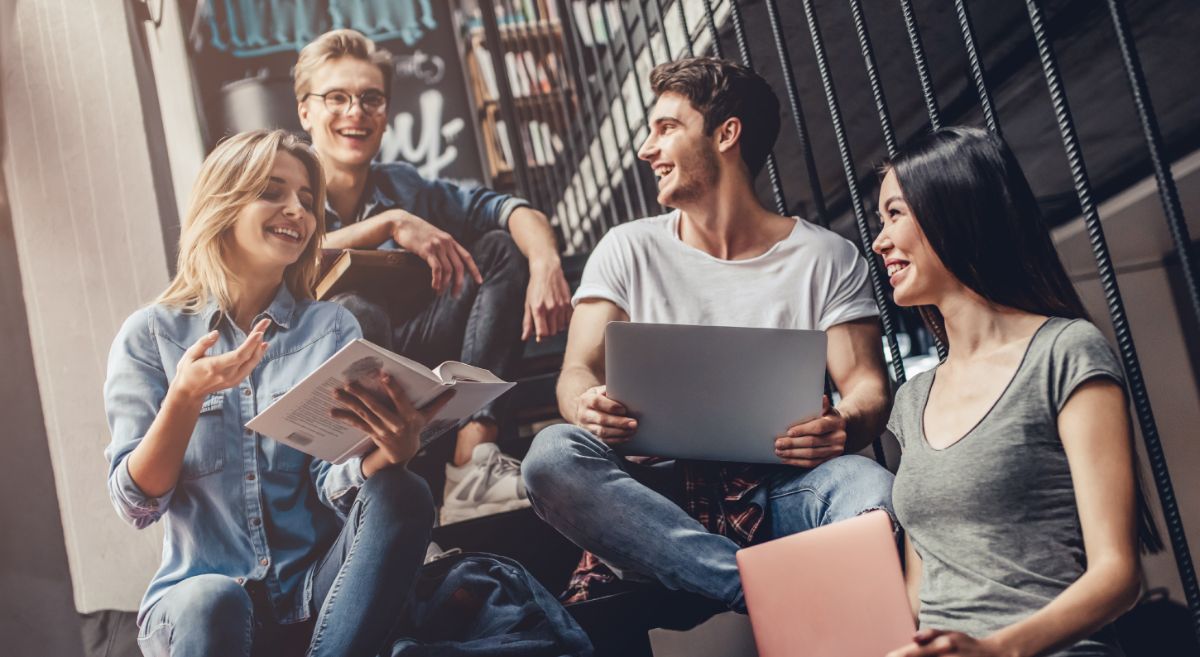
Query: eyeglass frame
x=353, y=98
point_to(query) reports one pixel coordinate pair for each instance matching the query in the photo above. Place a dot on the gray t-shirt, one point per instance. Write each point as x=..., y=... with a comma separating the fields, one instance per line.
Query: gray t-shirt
x=993, y=515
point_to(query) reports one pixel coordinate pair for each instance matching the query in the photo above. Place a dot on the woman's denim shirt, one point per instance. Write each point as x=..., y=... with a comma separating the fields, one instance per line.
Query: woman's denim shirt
x=244, y=506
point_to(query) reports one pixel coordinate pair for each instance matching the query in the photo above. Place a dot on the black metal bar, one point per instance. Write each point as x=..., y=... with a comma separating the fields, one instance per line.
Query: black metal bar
x=507, y=108
x=985, y=96
x=559, y=170
x=1167, y=192
x=628, y=36
x=1116, y=308
x=860, y=216
x=637, y=84
x=579, y=153
x=864, y=42
x=620, y=97
x=739, y=34
x=645, y=19
x=710, y=21
x=914, y=39
x=687, y=32
x=662, y=29
x=586, y=105
x=793, y=94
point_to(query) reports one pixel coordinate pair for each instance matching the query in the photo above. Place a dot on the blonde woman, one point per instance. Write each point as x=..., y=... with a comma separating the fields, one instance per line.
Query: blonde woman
x=261, y=540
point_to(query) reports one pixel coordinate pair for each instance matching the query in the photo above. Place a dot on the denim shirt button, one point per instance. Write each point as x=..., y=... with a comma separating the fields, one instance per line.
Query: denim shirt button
x=249, y=432
x=251, y=477
x=247, y=392
x=263, y=562
x=240, y=580
x=255, y=522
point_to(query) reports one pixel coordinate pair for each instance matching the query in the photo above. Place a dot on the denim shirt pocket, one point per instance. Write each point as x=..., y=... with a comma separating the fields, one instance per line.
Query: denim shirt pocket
x=206, y=450
x=280, y=457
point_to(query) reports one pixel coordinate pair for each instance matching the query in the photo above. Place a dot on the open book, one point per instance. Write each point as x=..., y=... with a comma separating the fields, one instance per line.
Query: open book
x=301, y=417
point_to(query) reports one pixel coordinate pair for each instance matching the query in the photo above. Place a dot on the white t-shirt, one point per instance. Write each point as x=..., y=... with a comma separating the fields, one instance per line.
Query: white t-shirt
x=812, y=279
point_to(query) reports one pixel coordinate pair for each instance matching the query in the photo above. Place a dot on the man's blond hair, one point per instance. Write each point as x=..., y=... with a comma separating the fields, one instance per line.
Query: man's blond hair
x=335, y=45
x=236, y=173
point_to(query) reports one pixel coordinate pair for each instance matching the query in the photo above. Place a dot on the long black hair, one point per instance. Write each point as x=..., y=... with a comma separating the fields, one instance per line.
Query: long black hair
x=969, y=196
x=972, y=201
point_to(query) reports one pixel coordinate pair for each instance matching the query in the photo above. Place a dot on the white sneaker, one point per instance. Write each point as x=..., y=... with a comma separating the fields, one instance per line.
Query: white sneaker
x=489, y=483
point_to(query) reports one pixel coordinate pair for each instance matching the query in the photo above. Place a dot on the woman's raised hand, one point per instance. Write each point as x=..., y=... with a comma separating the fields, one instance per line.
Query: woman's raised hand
x=393, y=423
x=199, y=375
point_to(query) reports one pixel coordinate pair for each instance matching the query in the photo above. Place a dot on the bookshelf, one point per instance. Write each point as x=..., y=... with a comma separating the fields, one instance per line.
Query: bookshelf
x=531, y=47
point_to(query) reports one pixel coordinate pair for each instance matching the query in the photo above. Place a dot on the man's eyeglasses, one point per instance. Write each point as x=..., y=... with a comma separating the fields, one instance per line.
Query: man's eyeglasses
x=339, y=102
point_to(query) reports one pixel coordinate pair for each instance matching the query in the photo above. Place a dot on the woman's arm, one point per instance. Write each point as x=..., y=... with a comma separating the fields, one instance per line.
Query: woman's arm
x=155, y=463
x=1094, y=426
x=912, y=576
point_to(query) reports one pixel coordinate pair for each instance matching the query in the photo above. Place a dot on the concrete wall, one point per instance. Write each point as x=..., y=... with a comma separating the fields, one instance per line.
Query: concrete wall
x=87, y=233
x=36, y=613
x=1164, y=331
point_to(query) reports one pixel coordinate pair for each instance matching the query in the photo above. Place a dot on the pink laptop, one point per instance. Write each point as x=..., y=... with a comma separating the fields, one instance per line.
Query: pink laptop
x=834, y=591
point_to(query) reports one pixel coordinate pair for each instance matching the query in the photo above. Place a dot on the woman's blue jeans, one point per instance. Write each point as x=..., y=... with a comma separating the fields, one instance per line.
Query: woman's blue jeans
x=358, y=588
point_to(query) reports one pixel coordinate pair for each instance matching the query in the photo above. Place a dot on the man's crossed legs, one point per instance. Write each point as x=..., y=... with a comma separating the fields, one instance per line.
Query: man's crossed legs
x=587, y=492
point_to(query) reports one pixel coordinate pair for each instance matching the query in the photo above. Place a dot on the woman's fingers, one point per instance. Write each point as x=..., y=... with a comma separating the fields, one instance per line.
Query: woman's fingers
x=433, y=408
x=350, y=418
x=355, y=405
x=395, y=392
x=384, y=416
x=200, y=348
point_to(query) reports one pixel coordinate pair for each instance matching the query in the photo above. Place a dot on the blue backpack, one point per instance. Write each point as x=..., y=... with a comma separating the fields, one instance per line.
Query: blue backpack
x=483, y=605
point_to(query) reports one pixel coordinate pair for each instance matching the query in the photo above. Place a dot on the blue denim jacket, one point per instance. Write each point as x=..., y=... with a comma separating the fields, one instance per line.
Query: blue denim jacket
x=464, y=212
x=244, y=506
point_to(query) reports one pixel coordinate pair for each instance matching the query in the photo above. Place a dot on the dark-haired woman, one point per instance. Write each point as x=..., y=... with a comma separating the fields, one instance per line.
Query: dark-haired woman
x=1017, y=486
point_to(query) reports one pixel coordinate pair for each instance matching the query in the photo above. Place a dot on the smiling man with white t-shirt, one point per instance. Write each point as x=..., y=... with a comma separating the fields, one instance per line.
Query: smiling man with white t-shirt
x=720, y=258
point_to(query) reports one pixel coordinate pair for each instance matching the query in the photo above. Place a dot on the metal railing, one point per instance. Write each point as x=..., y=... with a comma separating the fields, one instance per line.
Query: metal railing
x=596, y=183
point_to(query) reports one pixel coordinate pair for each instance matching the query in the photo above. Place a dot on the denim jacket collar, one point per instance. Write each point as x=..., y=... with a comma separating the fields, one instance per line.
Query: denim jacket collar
x=375, y=200
x=281, y=310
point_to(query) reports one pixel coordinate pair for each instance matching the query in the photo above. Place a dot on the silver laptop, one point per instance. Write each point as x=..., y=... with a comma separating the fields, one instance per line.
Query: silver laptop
x=713, y=392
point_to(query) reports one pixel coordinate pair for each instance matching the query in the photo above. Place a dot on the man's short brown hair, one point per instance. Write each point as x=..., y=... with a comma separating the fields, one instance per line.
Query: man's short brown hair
x=335, y=45
x=721, y=89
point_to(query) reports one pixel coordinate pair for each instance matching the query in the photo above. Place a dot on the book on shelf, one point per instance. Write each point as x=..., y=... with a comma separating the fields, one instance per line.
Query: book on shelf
x=301, y=418
x=487, y=72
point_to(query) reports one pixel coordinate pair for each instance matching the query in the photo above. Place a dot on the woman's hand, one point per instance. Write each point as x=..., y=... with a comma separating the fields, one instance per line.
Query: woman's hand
x=927, y=643
x=392, y=423
x=198, y=375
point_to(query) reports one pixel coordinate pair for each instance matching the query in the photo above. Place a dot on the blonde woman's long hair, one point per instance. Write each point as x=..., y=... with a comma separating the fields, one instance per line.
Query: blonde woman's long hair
x=234, y=174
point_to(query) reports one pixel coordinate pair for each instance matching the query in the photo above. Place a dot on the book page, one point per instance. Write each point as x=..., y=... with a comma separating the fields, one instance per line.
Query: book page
x=301, y=417
x=452, y=370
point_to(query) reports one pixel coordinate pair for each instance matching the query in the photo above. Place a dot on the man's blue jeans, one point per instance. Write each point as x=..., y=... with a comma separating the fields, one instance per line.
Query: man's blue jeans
x=358, y=588
x=594, y=497
x=480, y=327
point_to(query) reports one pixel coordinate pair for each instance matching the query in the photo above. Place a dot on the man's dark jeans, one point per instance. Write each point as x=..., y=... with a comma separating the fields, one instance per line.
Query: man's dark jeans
x=481, y=326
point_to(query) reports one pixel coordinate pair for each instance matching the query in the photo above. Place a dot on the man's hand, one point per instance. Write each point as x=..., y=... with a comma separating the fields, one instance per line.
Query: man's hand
x=445, y=256
x=393, y=424
x=604, y=417
x=814, y=442
x=547, y=301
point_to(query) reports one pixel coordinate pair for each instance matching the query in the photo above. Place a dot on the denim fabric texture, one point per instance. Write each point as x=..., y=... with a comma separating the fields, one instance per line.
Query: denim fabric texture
x=359, y=587
x=608, y=506
x=481, y=326
x=464, y=212
x=245, y=507
x=482, y=605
